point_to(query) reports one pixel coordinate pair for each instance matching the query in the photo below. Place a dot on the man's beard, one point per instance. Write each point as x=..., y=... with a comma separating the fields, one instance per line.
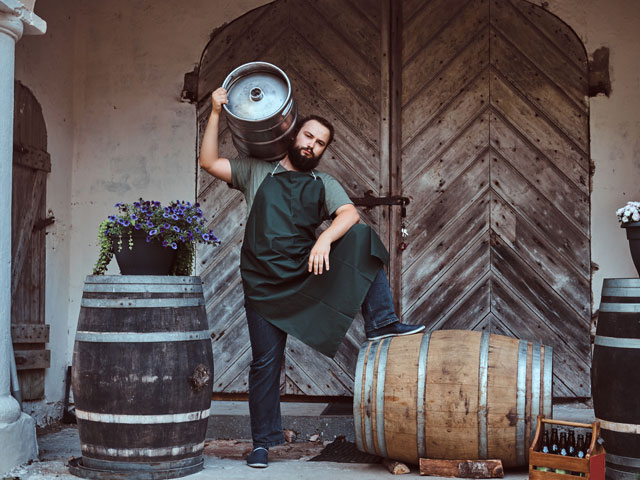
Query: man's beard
x=300, y=161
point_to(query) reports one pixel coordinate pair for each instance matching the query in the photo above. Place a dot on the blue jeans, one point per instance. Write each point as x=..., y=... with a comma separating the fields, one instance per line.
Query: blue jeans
x=267, y=348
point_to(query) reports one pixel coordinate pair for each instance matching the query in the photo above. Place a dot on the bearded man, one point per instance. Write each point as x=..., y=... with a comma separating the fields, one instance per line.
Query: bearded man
x=295, y=283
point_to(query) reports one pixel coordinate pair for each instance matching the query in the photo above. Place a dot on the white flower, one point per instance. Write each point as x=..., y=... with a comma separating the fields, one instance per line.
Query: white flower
x=629, y=213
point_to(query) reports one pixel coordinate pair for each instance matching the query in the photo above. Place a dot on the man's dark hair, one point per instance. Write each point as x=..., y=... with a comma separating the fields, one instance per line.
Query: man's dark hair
x=321, y=120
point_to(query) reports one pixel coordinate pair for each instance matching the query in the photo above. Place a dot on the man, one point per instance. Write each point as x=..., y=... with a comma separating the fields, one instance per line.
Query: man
x=295, y=283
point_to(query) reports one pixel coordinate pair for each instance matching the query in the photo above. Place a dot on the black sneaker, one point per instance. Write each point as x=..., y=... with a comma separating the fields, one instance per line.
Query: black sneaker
x=396, y=329
x=258, y=458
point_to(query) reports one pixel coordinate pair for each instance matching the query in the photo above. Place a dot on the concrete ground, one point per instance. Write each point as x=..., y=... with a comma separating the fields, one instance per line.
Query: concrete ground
x=224, y=457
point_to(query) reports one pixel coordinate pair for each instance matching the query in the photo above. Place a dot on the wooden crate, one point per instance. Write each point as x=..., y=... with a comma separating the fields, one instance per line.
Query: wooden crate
x=591, y=466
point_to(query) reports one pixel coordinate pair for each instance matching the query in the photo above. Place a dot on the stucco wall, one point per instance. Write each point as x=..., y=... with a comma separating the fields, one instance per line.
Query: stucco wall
x=108, y=76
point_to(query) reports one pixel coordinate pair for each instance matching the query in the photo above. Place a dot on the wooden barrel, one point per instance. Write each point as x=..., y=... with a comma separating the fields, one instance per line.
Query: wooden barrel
x=615, y=376
x=142, y=377
x=451, y=394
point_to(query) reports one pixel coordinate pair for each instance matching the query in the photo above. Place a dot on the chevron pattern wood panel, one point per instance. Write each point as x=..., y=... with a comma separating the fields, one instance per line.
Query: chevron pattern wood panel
x=495, y=157
x=332, y=51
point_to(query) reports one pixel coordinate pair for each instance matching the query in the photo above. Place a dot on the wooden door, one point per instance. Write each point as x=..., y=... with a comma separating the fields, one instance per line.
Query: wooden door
x=482, y=122
x=31, y=163
x=495, y=157
x=332, y=51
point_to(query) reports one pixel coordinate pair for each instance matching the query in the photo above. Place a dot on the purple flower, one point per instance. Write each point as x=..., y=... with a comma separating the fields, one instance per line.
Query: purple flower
x=181, y=238
x=165, y=243
x=205, y=236
x=118, y=205
x=112, y=218
x=153, y=232
x=174, y=216
x=167, y=226
x=148, y=238
x=189, y=220
x=174, y=245
x=137, y=226
x=134, y=216
x=165, y=215
x=149, y=224
x=176, y=229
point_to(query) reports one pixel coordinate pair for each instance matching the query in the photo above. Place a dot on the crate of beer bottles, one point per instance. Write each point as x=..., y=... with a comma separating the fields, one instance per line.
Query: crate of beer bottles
x=559, y=457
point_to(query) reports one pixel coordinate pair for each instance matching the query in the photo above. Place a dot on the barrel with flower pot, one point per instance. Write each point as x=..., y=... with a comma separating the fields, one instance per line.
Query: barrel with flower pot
x=142, y=360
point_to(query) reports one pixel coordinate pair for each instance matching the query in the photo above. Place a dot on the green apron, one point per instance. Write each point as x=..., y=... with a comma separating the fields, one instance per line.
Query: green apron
x=280, y=232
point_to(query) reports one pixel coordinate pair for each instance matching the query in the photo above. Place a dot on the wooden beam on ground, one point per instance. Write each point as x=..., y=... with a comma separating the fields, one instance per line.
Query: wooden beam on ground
x=397, y=468
x=462, y=468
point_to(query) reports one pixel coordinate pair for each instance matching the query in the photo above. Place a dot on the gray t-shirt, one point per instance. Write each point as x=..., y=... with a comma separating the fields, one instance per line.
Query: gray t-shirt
x=248, y=173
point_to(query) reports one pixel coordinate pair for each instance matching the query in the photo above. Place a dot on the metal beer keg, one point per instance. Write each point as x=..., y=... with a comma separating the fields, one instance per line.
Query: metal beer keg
x=261, y=112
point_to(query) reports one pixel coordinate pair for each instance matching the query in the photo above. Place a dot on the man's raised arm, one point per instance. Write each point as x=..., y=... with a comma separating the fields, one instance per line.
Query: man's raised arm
x=209, y=155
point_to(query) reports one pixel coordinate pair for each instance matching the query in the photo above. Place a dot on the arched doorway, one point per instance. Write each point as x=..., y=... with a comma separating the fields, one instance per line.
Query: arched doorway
x=474, y=109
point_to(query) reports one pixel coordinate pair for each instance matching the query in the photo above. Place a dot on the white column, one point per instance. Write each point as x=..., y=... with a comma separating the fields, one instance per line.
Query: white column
x=17, y=430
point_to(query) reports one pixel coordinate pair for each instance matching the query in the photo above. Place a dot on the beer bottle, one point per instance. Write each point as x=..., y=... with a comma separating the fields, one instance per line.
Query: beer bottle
x=571, y=443
x=587, y=443
x=554, y=441
x=545, y=448
x=581, y=450
x=563, y=449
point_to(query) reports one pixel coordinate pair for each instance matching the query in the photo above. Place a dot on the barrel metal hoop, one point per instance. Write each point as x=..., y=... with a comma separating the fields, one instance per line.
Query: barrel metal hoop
x=621, y=292
x=623, y=461
x=614, y=474
x=547, y=402
x=535, y=387
x=521, y=401
x=136, y=337
x=619, y=427
x=421, y=395
x=368, y=399
x=142, y=288
x=617, y=342
x=620, y=307
x=483, y=382
x=142, y=302
x=142, y=452
x=382, y=365
x=620, y=283
x=143, y=279
x=142, y=419
x=357, y=397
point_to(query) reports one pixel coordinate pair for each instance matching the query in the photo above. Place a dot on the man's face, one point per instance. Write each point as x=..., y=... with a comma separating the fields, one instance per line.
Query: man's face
x=309, y=145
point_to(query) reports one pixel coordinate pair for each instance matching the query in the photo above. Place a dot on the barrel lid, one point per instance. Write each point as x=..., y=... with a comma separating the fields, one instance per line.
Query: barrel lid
x=256, y=91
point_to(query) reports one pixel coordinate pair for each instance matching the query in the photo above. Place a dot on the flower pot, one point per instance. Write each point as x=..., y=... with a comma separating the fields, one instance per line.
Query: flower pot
x=633, y=235
x=145, y=258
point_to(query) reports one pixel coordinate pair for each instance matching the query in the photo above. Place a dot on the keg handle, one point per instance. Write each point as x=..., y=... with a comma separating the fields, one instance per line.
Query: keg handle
x=256, y=94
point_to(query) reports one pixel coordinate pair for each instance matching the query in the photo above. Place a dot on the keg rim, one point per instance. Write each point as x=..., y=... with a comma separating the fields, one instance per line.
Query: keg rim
x=262, y=66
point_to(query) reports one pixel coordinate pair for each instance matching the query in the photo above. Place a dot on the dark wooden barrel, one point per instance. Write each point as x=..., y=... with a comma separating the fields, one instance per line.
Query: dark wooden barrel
x=142, y=377
x=451, y=394
x=615, y=376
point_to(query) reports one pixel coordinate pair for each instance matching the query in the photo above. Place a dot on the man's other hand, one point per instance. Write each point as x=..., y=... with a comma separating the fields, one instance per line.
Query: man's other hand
x=319, y=256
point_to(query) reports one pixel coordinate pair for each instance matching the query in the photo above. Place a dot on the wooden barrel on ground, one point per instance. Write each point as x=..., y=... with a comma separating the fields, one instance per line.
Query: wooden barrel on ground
x=451, y=394
x=615, y=376
x=142, y=377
